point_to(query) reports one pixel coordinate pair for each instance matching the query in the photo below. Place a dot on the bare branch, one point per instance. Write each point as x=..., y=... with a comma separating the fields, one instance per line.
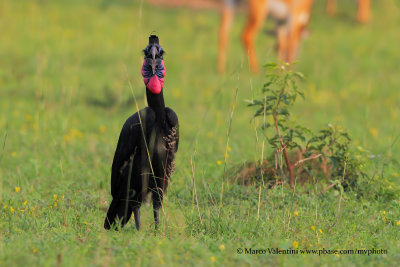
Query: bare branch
x=315, y=156
x=326, y=189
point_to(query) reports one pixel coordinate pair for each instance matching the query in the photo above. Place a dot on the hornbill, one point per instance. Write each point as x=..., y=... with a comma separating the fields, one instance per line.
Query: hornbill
x=144, y=157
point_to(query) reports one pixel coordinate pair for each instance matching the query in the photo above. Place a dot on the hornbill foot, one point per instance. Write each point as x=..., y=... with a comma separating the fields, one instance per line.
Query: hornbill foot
x=136, y=214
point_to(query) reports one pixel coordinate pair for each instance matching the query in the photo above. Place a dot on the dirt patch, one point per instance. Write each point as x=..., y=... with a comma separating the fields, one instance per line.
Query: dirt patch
x=271, y=174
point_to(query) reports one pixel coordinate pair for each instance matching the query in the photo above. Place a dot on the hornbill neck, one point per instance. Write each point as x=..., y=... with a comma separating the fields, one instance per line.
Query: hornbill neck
x=156, y=102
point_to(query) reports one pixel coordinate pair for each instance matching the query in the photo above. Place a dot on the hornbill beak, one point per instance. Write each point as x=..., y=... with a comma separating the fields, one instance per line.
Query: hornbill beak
x=154, y=51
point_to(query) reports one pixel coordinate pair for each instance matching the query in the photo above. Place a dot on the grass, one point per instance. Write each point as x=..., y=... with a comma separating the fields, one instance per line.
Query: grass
x=64, y=75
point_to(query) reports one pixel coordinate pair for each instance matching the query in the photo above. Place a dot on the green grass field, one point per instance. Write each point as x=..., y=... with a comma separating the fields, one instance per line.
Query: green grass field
x=69, y=72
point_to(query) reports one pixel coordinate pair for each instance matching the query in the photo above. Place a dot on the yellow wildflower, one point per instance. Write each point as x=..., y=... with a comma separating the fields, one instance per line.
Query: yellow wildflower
x=320, y=230
x=12, y=209
x=34, y=250
x=28, y=117
x=55, y=204
x=72, y=135
x=212, y=259
x=295, y=213
x=5, y=206
x=102, y=128
x=373, y=132
x=398, y=223
x=17, y=189
x=25, y=202
x=219, y=162
x=295, y=244
x=313, y=227
x=86, y=223
x=221, y=247
x=75, y=133
x=55, y=197
x=383, y=212
x=229, y=148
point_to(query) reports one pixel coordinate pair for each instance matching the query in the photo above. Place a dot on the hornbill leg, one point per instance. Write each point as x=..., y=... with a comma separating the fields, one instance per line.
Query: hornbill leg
x=156, y=217
x=157, y=200
x=136, y=213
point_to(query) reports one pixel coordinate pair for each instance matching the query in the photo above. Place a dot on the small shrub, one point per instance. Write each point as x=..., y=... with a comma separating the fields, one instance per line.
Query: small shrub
x=298, y=151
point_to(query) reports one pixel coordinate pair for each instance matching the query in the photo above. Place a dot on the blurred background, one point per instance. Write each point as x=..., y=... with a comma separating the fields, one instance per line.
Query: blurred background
x=64, y=61
x=70, y=76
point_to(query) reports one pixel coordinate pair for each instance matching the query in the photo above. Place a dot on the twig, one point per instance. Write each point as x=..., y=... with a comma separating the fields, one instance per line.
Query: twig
x=209, y=192
x=326, y=189
x=332, y=185
x=283, y=146
x=195, y=192
x=228, y=133
x=259, y=201
x=315, y=156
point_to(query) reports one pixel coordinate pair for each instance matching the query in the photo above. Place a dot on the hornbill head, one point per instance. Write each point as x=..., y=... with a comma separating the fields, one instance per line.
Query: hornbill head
x=153, y=69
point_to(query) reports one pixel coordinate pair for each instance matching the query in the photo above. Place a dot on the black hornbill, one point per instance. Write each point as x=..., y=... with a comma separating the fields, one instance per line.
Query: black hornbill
x=144, y=157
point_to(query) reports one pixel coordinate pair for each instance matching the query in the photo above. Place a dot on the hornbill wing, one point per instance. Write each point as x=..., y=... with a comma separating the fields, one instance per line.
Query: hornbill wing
x=129, y=141
x=174, y=123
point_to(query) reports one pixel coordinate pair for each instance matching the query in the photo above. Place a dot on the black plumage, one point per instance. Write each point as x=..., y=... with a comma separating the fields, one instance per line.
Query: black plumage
x=144, y=157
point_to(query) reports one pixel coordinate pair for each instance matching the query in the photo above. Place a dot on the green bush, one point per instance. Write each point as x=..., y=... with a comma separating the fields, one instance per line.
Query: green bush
x=298, y=152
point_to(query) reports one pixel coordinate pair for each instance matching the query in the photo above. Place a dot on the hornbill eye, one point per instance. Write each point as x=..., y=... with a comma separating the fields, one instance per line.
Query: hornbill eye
x=160, y=51
x=153, y=55
x=149, y=61
x=148, y=53
x=158, y=61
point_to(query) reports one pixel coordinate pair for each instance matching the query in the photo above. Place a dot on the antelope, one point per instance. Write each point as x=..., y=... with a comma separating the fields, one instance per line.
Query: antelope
x=363, y=12
x=292, y=17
